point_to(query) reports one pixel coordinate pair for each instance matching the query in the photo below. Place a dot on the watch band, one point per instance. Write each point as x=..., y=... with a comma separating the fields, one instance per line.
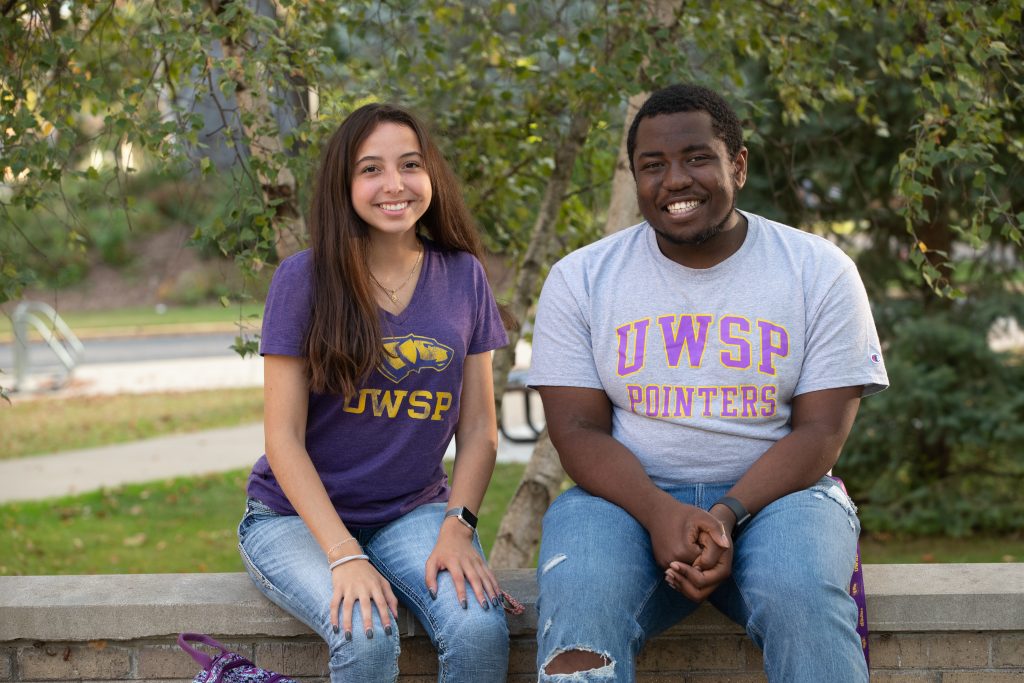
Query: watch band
x=463, y=515
x=742, y=516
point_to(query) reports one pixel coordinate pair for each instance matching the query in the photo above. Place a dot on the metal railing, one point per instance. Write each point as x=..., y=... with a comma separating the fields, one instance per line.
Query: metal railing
x=517, y=388
x=53, y=331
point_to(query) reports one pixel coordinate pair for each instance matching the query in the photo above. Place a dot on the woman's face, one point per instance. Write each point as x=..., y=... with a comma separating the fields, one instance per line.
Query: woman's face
x=390, y=186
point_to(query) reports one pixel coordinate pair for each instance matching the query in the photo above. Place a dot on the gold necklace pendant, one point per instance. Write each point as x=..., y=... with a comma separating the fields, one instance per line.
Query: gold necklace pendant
x=393, y=293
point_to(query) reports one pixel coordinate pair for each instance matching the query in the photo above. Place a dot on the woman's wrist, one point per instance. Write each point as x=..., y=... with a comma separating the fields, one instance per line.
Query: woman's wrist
x=340, y=548
x=349, y=546
x=451, y=526
x=345, y=560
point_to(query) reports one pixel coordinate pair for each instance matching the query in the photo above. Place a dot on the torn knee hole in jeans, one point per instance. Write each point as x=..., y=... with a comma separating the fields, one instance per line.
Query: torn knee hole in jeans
x=836, y=494
x=605, y=669
x=553, y=562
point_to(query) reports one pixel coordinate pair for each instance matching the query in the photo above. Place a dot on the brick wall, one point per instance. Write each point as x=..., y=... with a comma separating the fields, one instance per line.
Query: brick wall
x=953, y=657
x=930, y=624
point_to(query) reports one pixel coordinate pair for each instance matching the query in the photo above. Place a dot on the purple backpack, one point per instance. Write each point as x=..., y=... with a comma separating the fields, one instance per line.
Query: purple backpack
x=228, y=666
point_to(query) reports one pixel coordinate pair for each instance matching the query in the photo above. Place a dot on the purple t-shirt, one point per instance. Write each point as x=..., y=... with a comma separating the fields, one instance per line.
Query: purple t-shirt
x=379, y=453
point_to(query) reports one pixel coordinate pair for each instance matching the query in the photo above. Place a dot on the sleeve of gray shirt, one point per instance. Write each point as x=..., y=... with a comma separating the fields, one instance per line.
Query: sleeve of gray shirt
x=562, y=349
x=842, y=347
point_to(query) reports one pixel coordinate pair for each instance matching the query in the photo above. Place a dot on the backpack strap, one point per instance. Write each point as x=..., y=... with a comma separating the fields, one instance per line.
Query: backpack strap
x=202, y=659
x=857, y=593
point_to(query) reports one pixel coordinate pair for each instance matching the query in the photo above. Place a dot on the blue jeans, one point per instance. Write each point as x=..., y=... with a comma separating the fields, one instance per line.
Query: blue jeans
x=287, y=564
x=601, y=591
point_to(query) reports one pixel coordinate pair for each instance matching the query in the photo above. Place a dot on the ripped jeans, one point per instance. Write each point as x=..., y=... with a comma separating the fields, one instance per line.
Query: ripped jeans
x=601, y=591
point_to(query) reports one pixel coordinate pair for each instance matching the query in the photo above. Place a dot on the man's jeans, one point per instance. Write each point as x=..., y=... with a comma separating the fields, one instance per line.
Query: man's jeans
x=287, y=564
x=600, y=590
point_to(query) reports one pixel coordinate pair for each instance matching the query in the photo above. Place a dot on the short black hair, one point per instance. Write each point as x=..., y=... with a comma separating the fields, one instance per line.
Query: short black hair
x=684, y=97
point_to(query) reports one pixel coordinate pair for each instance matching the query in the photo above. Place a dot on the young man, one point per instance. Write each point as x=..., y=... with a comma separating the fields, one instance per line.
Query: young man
x=700, y=373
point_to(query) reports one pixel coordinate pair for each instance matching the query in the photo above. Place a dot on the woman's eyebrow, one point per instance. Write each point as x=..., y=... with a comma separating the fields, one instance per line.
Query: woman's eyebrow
x=371, y=157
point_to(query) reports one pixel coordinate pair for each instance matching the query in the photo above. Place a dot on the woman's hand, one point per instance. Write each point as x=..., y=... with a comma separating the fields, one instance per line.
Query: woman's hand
x=359, y=581
x=456, y=554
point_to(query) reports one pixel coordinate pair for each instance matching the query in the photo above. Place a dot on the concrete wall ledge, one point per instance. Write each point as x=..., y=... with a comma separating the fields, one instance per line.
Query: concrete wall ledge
x=902, y=599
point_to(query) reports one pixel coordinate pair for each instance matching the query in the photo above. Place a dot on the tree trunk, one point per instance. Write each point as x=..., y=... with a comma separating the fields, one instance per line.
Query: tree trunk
x=622, y=208
x=289, y=224
x=266, y=146
x=520, y=527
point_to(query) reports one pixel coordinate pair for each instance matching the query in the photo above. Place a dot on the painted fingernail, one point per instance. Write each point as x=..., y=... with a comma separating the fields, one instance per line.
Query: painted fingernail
x=369, y=634
x=348, y=636
x=337, y=628
x=486, y=605
x=465, y=604
x=495, y=601
x=387, y=630
x=433, y=593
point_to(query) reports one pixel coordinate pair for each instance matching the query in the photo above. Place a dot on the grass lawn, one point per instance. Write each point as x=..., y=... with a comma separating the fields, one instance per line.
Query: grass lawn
x=180, y=525
x=145, y=320
x=51, y=425
x=889, y=550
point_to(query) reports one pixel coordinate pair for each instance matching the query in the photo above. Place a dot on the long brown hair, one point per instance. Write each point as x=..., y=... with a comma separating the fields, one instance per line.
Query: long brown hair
x=344, y=342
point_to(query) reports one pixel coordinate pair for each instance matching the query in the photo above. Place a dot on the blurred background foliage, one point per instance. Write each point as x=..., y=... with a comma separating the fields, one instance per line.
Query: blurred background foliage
x=892, y=128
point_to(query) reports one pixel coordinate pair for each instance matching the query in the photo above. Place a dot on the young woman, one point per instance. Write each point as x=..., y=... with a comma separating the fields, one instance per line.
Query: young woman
x=376, y=347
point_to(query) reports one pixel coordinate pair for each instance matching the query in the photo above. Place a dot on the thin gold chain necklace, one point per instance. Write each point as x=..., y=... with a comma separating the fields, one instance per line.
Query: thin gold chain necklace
x=393, y=293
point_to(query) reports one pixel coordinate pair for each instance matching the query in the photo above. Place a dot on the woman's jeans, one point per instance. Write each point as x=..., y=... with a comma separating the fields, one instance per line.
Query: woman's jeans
x=601, y=591
x=287, y=564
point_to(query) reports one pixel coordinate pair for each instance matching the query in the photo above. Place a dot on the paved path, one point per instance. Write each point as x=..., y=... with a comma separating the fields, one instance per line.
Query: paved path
x=176, y=374
x=73, y=472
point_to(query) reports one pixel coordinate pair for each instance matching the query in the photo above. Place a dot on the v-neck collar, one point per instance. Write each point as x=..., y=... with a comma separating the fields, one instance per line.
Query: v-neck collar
x=401, y=317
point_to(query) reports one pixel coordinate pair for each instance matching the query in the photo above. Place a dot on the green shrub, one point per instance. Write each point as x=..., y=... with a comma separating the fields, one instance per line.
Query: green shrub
x=942, y=450
x=62, y=237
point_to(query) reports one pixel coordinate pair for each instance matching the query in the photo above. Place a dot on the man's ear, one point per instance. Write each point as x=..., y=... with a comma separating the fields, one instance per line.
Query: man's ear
x=739, y=167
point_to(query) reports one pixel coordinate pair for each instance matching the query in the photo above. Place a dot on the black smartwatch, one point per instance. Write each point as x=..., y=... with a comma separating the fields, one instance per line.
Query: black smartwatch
x=742, y=516
x=463, y=515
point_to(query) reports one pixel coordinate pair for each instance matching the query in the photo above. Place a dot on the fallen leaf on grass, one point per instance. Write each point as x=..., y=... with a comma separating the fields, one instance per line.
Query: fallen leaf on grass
x=135, y=541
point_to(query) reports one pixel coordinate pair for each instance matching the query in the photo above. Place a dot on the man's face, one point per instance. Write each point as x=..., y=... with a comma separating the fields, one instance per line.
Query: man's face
x=686, y=185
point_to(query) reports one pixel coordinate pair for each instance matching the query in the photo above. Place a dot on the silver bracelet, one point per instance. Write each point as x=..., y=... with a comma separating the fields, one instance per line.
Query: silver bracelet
x=339, y=544
x=338, y=563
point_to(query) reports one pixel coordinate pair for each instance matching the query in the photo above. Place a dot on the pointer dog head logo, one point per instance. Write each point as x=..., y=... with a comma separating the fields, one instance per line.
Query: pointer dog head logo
x=413, y=353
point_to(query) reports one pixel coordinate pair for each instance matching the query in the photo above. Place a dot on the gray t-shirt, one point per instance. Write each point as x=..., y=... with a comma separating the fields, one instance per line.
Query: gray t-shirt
x=701, y=365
